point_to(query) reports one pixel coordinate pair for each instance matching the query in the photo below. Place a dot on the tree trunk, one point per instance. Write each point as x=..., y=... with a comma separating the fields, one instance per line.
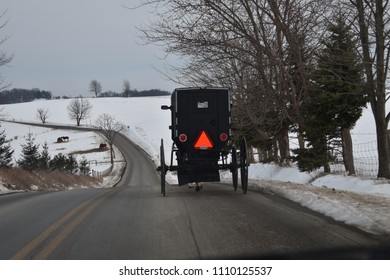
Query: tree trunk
x=327, y=167
x=326, y=163
x=383, y=149
x=301, y=140
x=262, y=155
x=348, y=151
x=325, y=153
x=112, y=153
x=251, y=155
x=284, y=147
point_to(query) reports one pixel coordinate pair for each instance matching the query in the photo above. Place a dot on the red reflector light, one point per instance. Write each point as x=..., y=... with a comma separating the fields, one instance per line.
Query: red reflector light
x=223, y=137
x=182, y=138
x=203, y=142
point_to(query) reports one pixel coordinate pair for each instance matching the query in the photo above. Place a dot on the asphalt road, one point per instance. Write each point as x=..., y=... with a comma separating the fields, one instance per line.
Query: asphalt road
x=133, y=221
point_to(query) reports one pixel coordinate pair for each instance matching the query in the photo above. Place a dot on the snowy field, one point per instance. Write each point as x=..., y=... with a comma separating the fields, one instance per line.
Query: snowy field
x=364, y=203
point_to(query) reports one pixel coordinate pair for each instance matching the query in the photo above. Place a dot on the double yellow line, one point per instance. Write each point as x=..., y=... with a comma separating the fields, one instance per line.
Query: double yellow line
x=72, y=219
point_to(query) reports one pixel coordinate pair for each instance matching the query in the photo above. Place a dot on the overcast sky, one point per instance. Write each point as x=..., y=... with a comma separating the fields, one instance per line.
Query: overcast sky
x=61, y=46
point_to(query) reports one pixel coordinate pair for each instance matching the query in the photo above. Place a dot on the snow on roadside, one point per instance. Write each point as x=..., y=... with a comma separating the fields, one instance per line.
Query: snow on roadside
x=364, y=204
x=3, y=189
x=366, y=212
x=355, y=184
x=115, y=175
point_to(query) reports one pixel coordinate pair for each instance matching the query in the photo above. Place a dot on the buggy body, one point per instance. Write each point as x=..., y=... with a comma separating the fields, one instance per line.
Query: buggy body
x=201, y=128
x=201, y=131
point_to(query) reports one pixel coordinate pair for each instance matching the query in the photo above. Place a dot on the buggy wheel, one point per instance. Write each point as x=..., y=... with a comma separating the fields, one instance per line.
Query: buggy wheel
x=234, y=168
x=163, y=168
x=244, y=164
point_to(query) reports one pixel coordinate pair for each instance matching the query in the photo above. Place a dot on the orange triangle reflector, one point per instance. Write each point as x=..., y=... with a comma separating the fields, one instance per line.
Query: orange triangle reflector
x=204, y=142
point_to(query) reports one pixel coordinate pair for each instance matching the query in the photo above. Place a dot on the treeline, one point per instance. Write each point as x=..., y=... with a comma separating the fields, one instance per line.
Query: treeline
x=135, y=93
x=18, y=95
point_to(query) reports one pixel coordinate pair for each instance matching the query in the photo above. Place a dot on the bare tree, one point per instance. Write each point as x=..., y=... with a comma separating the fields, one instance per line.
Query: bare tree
x=373, y=25
x=43, y=114
x=79, y=109
x=5, y=58
x=95, y=87
x=126, y=88
x=109, y=128
x=262, y=49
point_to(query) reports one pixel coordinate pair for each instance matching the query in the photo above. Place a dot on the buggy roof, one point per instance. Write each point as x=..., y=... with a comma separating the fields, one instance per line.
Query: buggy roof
x=200, y=88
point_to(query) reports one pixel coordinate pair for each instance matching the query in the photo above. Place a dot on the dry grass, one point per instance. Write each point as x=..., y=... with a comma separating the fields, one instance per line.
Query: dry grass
x=20, y=179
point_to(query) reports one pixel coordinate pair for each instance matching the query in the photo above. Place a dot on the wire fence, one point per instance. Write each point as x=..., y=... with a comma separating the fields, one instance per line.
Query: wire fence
x=365, y=160
x=365, y=156
x=365, y=152
x=103, y=173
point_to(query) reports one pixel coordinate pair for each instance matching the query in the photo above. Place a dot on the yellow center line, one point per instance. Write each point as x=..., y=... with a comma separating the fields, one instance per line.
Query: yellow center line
x=22, y=253
x=79, y=217
x=54, y=243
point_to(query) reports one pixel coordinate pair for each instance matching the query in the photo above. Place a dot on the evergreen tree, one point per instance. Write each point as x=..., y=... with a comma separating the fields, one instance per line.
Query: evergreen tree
x=6, y=151
x=58, y=162
x=71, y=164
x=30, y=154
x=335, y=100
x=84, y=168
x=44, y=158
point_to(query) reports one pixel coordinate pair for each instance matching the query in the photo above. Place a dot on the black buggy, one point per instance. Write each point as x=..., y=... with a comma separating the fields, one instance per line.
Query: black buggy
x=202, y=138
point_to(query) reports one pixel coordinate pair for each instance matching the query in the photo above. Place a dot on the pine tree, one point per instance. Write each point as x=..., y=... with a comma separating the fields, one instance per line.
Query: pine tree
x=30, y=154
x=84, y=167
x=6, y=151
x=44, y=157
x=71, y=164
x=58, y=162
x=335, y=100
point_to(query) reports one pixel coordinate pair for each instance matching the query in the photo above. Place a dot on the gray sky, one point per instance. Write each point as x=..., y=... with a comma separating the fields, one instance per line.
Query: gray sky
x=62, y=45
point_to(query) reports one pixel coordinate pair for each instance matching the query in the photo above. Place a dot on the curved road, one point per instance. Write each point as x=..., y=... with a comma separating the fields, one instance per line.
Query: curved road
x=133, y=221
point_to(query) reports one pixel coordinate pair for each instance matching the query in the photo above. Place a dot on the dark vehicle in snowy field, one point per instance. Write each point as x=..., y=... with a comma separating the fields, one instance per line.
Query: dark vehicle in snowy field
x=202, y=138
